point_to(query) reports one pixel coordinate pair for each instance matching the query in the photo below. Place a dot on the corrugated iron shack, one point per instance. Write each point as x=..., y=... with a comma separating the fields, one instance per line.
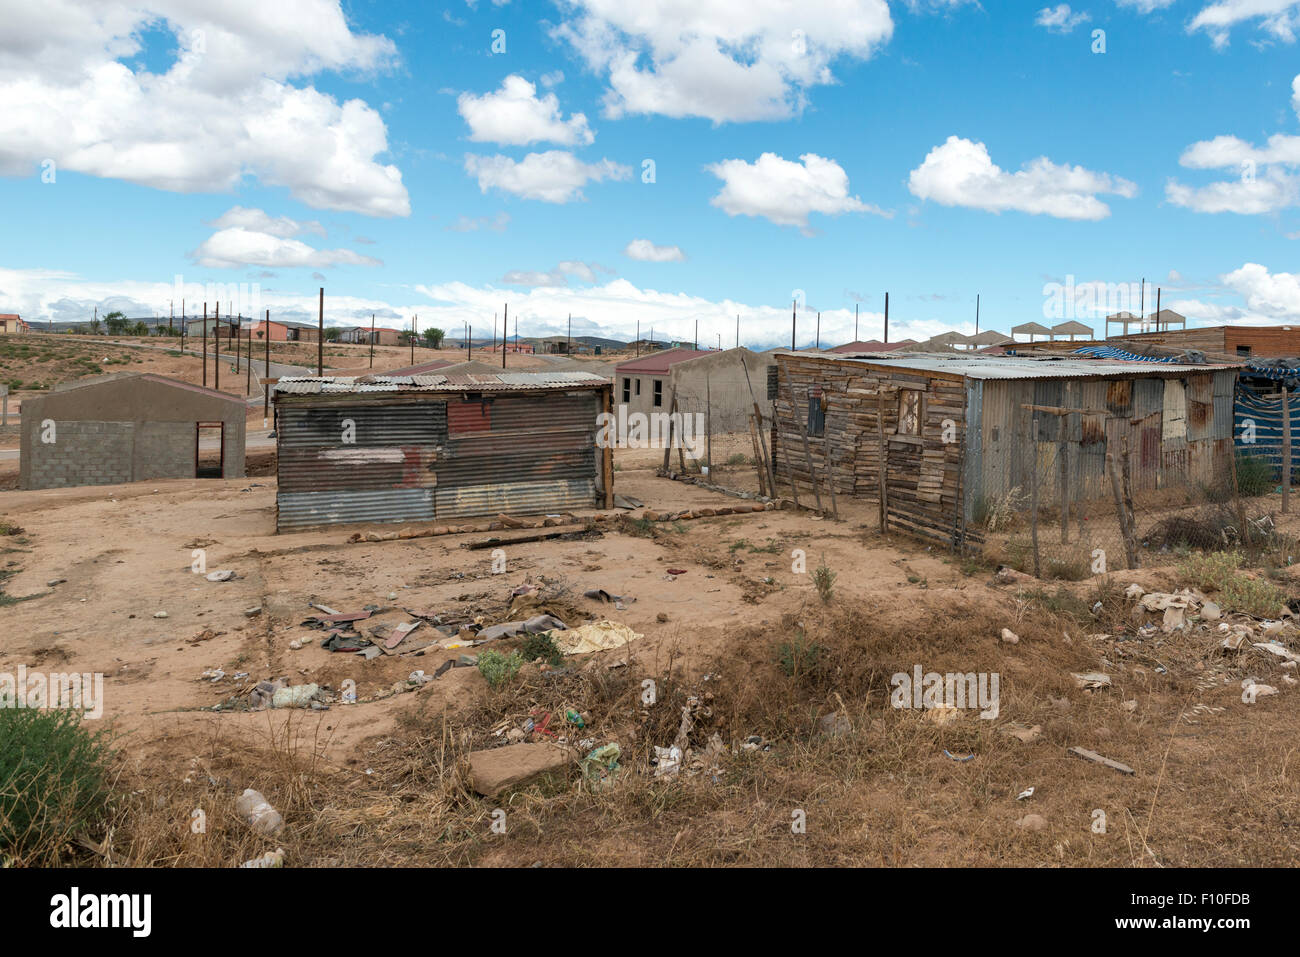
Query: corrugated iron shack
x=956, y=430
x=419, y=448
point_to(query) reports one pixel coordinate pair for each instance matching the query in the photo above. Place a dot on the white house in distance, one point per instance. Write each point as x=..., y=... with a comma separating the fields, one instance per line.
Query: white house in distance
x=716, y=384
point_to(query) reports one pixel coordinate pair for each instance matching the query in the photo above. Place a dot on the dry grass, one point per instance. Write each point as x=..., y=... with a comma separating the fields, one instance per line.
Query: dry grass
x=884, y=793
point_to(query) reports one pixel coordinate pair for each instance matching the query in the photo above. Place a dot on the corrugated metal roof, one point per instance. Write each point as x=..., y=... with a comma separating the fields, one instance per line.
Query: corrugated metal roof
x=1023, y=367
x=498, y=382
x=658, y=363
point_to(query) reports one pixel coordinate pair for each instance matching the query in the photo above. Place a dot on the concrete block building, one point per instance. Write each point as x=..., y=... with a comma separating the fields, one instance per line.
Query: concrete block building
x=130, y=427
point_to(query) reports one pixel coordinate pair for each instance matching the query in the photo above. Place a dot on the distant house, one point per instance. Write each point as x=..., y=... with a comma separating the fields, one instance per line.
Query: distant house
x=709, y=382
x=362, y=335
x=11, y=323
x=225, y=328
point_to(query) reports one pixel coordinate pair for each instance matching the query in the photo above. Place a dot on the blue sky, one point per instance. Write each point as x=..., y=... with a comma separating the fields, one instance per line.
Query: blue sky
x=828, y=149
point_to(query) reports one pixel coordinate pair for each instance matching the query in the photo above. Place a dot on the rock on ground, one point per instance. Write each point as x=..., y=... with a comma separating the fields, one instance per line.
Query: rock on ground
x=494, y=771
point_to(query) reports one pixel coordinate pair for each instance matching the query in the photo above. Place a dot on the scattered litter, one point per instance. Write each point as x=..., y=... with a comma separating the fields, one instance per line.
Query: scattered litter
x=599, y=594
x=270, y=858
x=259, y=814
x=969, y=757
x=1251, y=690
x=1092, y=680
x=55, y=581
x=224, y=575
x=677, y=571
x=157, y=614
x=597, y=636
x=667, y=761
x=532, y=626
x=1094, y=756
x=601, y=766
x=1272, y=647
x=213, y=674
x=1025, y=794
x=1006, y=575
x=253, y=612
x=1134, y=592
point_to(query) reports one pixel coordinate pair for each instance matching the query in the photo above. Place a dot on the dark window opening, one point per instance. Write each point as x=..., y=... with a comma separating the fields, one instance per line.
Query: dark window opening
x=1243, y=350
x=816, y=413
x=638, y=386
x=627, y=391
x=659, y=392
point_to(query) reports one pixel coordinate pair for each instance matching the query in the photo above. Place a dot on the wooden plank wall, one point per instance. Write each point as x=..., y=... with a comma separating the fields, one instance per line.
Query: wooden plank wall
x=923, y=472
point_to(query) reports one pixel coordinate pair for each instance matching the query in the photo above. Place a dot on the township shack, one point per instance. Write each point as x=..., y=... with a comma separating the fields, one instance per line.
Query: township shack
x=129, y=427
x=420, y=448
x=943, y=436
x=721, y=385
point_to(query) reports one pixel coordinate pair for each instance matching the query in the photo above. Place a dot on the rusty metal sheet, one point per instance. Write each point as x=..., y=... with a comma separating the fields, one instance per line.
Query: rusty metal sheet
x=517, y=498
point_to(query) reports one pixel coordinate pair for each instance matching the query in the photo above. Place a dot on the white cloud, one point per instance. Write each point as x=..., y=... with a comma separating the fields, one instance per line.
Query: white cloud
x=516, y=116
x=260, y=221
x=703, y=59
x=237, y=247
x=1060, y=18
x=1265, y=178
x=646, y=251
x=555, y=176
x=224, y=109
x=961, y=173
x=1273, y=295
x=1145, y=6
x=784, y=191
x=1277, y=18
x=467, y=224
x=559, y=276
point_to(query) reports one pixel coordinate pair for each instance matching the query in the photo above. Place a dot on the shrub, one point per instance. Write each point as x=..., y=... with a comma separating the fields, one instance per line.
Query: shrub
x=497, y=669
x=1254, y=475
x=541, y=646
x=54, y=781
x=824, y=579
x=798, y=656
x=1220, y=572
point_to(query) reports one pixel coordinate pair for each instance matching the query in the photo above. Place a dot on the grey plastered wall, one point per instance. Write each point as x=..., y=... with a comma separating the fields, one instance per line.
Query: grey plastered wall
x=718, y=382
x=124, y=428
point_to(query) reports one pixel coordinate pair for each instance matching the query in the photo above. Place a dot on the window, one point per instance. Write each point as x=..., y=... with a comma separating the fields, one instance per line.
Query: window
x=816, y=413
x=638, y=386
x=627, y=390
x=909, y=412
x=659, y=392
x=1243, y=350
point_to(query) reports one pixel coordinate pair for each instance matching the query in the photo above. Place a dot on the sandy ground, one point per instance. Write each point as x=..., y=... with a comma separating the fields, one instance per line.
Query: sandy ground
x=101, y=619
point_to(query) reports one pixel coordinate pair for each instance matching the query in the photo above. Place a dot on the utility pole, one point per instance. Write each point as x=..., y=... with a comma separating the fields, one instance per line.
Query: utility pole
x=886, y=317
x=469, y=341
x=372, y=340
x=637, y=344
x=855, y=322
x=568, y=345
x=794, y=318
x=171, y=308
x=505, y=325
x=205, y=345
x=412, y=340
x=819, y=331
x=494, y=332
x=266, y=387
x=697, y=335
x=977, y=314
x=216, y=349
x=1157, y=308
x=320, y=335
x=737, y=330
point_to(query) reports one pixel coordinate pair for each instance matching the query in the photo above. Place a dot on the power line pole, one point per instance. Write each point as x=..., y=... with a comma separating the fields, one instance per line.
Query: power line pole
x=205, y=345
x=794, y=320
x=568, y=345
x=886, y=317
x=372, y=340
x=216, y=349
x=320, y=335
x=855, y=322
x=505, y=325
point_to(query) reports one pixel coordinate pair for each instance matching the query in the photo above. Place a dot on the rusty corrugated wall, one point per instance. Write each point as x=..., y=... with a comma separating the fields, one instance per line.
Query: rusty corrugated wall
x=427, y=456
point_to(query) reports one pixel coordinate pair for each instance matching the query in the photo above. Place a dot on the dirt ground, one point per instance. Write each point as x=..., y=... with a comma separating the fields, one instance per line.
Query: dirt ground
x=386, y=780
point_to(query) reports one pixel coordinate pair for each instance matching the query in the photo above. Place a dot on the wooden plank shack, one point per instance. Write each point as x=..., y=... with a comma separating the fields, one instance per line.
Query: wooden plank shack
x=838, y=402
x=952, y=434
